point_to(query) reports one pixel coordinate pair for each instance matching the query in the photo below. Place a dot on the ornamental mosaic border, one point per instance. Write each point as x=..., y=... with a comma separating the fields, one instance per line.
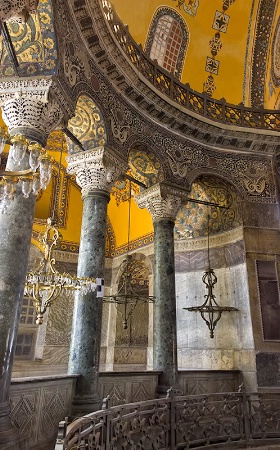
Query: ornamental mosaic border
x=163, y=11
x=134, y=245
x=264, y=24
x=275, y=78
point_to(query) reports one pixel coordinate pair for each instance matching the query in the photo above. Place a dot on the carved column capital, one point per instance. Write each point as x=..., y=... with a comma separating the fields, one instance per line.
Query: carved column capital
x=17, y=10
x=96, y=169
x=162, y=200
x=34, y=106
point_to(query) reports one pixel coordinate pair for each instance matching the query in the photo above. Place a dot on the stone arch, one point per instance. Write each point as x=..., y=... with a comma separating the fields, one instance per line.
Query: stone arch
x=167, y=39
x=87, y=125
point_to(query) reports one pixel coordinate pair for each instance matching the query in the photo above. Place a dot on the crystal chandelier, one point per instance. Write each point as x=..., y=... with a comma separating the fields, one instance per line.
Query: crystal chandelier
x=31, y=180
x=45, y=284
x=126, y=299
x=210, y=310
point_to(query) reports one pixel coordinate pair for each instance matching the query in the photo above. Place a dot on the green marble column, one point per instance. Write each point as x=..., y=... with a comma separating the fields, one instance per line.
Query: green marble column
x=26, y=109
x=96, y=170
x=87, y=318
x=15, y=237
x=165, y=341
x=163, y=201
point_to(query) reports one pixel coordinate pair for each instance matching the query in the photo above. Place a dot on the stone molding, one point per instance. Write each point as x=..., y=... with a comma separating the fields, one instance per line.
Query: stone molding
x=34, y=106
x=96, y=169
x=162, y=200
x=17, y=10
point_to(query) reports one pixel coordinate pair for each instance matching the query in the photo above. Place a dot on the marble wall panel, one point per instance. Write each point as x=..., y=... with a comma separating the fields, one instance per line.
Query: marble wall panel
x=232, y=347
x=37, y=406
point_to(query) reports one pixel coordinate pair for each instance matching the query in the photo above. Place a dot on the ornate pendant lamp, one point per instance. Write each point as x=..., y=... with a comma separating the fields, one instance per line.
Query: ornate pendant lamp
x=127, y=298
x=31, y=180
x=210, y=310
x=45, y=284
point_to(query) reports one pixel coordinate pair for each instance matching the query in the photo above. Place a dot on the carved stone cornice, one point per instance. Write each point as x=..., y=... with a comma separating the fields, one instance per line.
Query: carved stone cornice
x=162, y=200
x=34, y=106
x=96, y=169
x=17, y=10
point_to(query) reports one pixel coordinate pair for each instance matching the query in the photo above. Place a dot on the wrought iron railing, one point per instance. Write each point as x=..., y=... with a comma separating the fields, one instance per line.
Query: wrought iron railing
x=198, y=421
x=182, y=94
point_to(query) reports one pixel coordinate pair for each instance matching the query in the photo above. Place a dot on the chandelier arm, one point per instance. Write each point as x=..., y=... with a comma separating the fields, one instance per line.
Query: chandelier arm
x=10, y=173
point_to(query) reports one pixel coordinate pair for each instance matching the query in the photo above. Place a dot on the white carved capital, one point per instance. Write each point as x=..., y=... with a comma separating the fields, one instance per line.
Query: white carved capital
x=98, y=168
x=162, y=200
x=17, y=10
x=34, y=106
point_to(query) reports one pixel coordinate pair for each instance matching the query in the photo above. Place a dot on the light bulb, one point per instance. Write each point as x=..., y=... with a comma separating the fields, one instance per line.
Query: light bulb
x=26, y=186
x=35, y=152
x=19, y=148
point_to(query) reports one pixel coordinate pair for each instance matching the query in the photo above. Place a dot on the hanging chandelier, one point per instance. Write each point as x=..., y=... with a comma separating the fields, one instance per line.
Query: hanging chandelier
x=45, y=284
x=30, y=181
x=127, y=299
x=210, y=310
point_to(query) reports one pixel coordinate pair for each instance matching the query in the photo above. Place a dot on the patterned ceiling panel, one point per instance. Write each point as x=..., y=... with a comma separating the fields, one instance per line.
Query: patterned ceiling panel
x=87, y=125
x=34, y=43
x=192, y=219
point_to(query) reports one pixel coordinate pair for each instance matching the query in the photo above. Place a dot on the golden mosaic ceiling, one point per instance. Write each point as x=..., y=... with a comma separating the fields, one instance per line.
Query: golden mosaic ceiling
x=230, y=46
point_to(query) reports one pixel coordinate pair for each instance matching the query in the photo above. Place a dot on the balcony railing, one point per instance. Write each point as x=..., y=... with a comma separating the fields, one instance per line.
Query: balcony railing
x=182, y=94
x=224, y=420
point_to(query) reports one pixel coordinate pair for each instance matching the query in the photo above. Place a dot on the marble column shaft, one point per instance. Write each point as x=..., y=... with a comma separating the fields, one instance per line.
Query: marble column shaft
x=96, y=171
x=163, y=201
x=87, y=318
x=15, y=237
x=165, y=342
x=33, y=107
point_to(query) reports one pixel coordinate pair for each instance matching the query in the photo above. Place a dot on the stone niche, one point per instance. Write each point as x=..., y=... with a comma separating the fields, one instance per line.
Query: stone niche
x=232, y=347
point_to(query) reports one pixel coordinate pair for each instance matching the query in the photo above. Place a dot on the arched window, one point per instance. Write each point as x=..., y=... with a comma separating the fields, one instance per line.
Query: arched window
x=167, y=41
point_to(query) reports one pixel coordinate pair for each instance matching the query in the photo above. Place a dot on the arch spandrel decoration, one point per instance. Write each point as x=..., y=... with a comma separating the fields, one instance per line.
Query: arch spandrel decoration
x=34, y=43
x=87, y=125
x=176, y=21
x=144, y=166
x=191, y=221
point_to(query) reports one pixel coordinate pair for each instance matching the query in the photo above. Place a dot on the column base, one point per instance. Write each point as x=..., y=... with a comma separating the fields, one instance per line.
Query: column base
x=85, y=405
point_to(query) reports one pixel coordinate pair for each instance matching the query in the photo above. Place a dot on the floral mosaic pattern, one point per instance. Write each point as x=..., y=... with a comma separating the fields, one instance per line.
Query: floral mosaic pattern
x=144, y=167
x=87, y=125
x=34, y=43
x=192, y=219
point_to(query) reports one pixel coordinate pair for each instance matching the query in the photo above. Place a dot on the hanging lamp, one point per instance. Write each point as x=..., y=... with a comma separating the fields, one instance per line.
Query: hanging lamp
x=210, y=310
x=45, y=284
x=126, y=299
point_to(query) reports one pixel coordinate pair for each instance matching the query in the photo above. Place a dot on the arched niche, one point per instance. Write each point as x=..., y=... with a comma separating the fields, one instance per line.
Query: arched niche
x=232, y=346
x=131, y=343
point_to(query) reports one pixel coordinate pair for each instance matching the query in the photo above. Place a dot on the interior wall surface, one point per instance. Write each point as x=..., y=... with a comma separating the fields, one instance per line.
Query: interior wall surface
x=232, y=347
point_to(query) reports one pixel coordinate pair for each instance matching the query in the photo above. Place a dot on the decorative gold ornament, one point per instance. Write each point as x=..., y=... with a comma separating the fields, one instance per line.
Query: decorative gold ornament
x=45, y=284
